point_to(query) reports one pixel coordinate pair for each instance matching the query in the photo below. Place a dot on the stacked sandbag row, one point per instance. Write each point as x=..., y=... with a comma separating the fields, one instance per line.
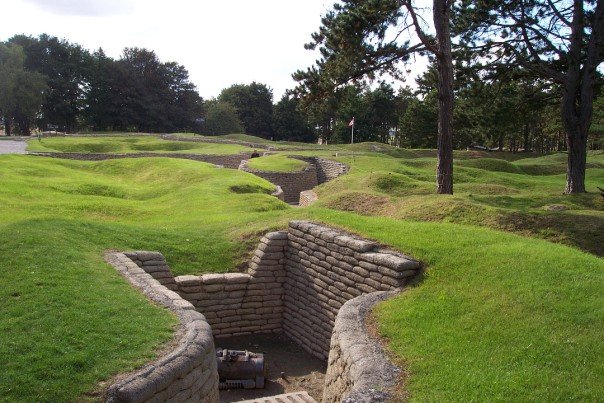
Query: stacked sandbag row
x=326, y=169
x=292, y=183
x=242, y=303
x=358, y=369
x=155, y=264
x=186, y=373
x=324, y=269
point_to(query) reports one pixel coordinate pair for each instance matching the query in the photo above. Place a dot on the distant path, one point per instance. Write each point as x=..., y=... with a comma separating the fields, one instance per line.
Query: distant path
x=12, y=147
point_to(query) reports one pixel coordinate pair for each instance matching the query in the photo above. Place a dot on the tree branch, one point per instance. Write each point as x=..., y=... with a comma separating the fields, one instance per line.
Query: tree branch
x=558, y=13
x=418, y=29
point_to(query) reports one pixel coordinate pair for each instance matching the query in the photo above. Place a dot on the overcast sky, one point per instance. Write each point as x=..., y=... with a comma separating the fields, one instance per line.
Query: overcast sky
x=219, y=42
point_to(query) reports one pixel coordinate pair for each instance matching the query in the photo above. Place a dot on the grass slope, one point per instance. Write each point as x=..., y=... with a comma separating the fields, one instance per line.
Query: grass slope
x=68, y=320
x=129, y=144
x=500, y=194
x=498, y=316
x=277, y=163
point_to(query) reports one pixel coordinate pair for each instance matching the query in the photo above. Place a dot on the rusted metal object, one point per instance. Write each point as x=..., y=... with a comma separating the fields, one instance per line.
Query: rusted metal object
x=240, y=369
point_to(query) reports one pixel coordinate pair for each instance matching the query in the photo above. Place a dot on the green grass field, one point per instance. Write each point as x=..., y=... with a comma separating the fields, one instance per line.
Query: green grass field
x=277, y=163
x=129, y=144
x=498, y=316
x=489, y=192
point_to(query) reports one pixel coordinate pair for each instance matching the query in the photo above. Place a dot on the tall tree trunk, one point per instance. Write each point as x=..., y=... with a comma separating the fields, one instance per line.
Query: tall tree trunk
x=577, y=99
x=526, y=134
x=577, y=158
x=444, y=168
x=7, y=127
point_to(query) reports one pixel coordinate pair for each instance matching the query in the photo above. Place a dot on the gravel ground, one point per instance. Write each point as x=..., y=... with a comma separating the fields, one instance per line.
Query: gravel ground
x=12, y=147
x=300, y=370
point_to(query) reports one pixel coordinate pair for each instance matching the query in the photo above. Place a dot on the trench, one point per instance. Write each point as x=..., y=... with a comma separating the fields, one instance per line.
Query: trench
x=302, y=300
x=296, y=185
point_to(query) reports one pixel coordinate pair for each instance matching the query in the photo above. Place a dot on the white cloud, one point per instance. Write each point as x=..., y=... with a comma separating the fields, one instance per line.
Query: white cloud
x=84, y=7
x=219, y=42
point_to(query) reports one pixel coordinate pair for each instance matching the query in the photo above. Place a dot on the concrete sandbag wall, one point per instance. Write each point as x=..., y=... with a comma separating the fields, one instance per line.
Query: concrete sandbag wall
x=326, y=268
x=243, y=303
x=292, y=183
x=189, y=371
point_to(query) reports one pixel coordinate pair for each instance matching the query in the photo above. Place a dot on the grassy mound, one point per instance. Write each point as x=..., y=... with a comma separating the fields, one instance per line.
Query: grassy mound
x=491, y=164
x=497, y=317
x=488, y=192
x=129, y=144
x=68, y=320
x=246, y=137
x=277, y=163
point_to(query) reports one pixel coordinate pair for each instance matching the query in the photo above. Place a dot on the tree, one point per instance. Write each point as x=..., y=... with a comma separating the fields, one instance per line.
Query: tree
x=65, y=65
x=559, y=41
x=254, y=105
x=596, y=135
x=359, y=39
x=11, y=62
x=139, y=92
x=21, y=91
x=28, y=96
x=289, y=122
x=382, y=112
x=105, y=99
x=221, y=118
x=351, y=103
x=418, y=125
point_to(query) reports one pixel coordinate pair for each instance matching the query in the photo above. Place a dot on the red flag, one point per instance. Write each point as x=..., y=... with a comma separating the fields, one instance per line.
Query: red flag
x=351, y=123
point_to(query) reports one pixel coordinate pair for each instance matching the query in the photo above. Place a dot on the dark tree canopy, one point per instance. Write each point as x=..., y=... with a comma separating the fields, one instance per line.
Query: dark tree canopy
x=221, y=118
x=157, y=96
x=21, y=91
x=65, y=66
x=361, y=40
x=290, y=122
x=80, y=90
x=254, y=105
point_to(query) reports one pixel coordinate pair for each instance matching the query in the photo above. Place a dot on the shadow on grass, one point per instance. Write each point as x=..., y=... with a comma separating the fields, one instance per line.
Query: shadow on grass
x=578, y=230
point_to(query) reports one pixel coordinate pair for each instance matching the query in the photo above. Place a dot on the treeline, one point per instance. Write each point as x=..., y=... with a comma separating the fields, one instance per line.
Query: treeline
x=48, y=83
x=511, y=114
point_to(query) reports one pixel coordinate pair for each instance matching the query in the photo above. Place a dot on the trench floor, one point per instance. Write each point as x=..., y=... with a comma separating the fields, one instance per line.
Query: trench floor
x=301, y=370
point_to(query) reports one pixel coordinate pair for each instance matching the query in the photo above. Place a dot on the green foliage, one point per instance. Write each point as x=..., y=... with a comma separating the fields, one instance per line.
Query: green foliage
x=289, y=122
x=418, y=126
x=596, y=133
x=136, y=93
x=65, y=66
x=254, y=105
x=21, y=91
x=353, y=45
x=221, y=118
